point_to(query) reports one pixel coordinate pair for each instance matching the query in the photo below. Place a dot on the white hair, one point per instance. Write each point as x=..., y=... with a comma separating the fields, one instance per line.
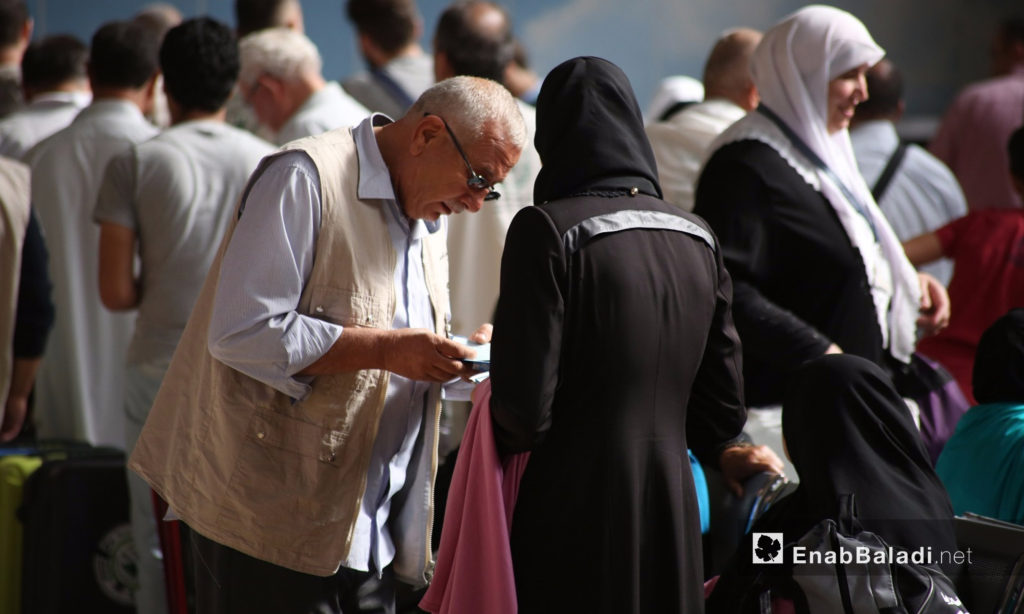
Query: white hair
x=279, y=52
x=477, y=106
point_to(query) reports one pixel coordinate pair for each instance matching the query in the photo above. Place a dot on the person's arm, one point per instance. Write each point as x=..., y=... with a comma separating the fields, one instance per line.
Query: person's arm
x=115, y=212
x=923, y=249
x=119, y=288
x=733, y=197
x=32, y=323
x=526, y=350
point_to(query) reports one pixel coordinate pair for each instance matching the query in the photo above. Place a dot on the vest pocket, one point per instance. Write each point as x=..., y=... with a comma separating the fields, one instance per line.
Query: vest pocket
x=349, y=307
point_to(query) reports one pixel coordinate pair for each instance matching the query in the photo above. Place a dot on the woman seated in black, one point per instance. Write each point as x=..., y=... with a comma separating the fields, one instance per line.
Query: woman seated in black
x=847, y=431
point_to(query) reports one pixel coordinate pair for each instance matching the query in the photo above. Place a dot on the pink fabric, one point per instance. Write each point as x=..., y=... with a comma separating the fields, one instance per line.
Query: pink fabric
x=972, y=139
x=474, y=562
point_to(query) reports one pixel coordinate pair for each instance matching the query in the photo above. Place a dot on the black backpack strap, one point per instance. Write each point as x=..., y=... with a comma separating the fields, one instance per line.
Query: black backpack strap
x=396, y=91
x=847, y=517
x=890, y=169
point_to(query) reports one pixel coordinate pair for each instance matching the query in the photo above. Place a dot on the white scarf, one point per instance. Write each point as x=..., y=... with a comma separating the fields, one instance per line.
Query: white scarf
x=792, y=68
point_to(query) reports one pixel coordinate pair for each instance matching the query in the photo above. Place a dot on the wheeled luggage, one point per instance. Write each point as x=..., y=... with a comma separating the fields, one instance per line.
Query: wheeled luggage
x=78, y=554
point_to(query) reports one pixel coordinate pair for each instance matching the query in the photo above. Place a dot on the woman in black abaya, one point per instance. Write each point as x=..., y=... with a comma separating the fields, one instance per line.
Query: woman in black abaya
x=613, y=348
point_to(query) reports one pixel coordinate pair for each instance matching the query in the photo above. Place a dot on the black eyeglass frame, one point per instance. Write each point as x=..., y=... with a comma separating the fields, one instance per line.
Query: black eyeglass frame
x=475, y=181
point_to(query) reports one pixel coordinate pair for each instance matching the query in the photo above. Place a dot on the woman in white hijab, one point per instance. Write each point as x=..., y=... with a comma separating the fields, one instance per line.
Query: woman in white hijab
x=817, y=268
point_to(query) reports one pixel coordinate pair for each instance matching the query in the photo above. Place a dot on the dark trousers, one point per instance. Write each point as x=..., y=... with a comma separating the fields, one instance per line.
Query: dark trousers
x=230, y=582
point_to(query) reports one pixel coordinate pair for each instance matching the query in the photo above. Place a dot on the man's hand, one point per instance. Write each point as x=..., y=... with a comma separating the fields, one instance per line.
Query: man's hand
x=934, y=308
x=422, y=355
x=739, y=462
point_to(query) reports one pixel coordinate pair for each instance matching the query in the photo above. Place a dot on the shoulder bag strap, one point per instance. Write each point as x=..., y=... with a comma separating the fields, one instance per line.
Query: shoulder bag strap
x=889, y=171
x=815, y=159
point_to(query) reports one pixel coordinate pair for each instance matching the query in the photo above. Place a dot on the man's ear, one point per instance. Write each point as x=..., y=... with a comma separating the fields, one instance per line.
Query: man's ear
x=428, y=129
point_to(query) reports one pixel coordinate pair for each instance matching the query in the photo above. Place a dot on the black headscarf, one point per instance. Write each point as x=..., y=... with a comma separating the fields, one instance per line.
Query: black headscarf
x=999, y=363
x=848, y=431
x=590, y=133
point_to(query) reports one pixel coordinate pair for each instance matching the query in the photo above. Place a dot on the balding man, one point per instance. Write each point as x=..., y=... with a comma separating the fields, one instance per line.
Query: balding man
x=281, y=80
x=729, y=93
x=296, y=429
x=475, y=39
x=915, y=190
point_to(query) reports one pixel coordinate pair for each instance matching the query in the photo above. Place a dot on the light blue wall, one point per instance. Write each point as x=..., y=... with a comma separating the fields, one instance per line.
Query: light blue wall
x=940, y=44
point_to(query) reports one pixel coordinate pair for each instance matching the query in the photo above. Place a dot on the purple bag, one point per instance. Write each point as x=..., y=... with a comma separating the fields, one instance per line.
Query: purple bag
x=937, y=395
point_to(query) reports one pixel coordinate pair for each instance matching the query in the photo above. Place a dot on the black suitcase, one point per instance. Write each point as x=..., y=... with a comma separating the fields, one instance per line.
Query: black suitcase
x=78, y=552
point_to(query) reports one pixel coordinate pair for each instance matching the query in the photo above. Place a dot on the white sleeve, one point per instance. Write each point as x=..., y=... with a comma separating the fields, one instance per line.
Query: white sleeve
x=255, y=327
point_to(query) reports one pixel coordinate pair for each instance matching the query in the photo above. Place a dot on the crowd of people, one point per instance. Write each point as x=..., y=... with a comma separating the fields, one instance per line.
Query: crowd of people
x=268, y=288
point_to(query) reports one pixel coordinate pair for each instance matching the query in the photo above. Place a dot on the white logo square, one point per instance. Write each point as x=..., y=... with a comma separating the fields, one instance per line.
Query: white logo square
x=767, y=549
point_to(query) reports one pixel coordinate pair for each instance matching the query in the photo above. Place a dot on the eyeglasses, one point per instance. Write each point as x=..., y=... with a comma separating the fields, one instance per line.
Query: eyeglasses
x=475, y=181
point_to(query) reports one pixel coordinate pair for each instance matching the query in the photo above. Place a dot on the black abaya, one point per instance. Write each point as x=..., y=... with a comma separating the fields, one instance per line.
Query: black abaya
x=613, y=349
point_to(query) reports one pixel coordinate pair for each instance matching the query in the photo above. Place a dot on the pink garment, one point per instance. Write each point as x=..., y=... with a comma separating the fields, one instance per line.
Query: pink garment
x=972, y=139
x=474, y=562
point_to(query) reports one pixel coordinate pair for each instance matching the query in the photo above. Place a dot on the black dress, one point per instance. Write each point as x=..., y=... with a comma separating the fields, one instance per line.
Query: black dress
x=613, y=349
x=799, y=283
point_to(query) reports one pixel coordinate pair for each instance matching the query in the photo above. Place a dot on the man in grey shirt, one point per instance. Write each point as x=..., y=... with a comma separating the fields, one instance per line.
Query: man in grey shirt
x=168, y=201
x=398, y=68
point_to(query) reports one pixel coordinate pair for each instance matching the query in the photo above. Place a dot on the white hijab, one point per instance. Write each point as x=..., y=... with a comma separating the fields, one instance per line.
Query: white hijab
x=792, y=68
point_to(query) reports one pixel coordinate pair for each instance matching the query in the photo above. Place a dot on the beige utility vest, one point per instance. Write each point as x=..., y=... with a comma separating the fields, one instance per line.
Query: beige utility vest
x=14, y=214
x=250, y=468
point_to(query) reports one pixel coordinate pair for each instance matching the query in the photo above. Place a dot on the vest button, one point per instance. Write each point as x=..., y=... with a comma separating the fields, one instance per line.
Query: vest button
x=319, y=309
x=260, y=435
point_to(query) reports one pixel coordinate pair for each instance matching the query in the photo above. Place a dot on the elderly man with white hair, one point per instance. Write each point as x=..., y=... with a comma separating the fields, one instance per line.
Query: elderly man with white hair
x=296, y=429
x=281, y=79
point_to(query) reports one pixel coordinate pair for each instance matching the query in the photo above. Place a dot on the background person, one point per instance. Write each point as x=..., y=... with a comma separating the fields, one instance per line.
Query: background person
x=397, y=68
x=987, y=249
x=80, y=388
x=972, y=137
x=281, y=80
x=681, y=141
x=163, y=207
x=921, y=194
x=982, y=462
x=56, y=85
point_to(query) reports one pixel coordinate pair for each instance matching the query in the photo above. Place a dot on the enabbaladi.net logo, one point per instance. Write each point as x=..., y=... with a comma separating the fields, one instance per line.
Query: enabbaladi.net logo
x=767, y=548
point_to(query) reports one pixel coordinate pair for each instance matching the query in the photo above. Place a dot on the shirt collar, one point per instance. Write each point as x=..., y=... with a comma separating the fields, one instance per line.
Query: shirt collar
x=375, y=178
